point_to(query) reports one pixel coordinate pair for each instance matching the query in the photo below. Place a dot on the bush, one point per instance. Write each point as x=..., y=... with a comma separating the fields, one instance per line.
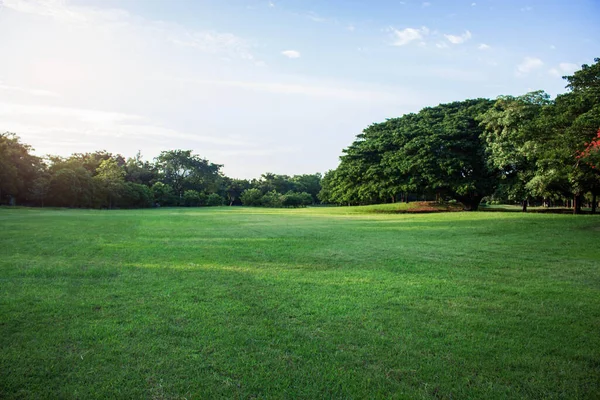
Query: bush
x=251, y=197
x=291, y=199
x=306, y=199
x=163, y=195
x=272, y=199
x=135, y=195
x=214, y=200
x=193, y=198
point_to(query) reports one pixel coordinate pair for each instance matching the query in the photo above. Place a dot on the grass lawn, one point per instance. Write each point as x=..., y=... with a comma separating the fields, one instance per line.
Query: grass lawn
x=312, y=303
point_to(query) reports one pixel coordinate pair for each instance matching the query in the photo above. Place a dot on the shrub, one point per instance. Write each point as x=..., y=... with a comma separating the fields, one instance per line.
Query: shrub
x=291, y=199
x=214, y=200
x=306, y=199
x=251, y=197
x=272, y=199
x=193, y=198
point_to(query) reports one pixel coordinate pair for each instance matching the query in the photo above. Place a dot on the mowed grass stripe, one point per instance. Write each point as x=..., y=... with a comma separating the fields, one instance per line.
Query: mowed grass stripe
x=313, y=303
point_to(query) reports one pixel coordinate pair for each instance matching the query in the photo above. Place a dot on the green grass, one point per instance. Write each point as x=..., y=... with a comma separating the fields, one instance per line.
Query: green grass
x=313, y=303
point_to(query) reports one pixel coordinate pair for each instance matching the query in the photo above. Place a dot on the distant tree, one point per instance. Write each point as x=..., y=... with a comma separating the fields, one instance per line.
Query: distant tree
x=234, y=189
x=135, y=195
x=183, y=170
x=214, y=200
x=139, y=171
x=39, y=189
x=272, y=199
x=18, y=168
x=110, y=177
x=306, y=199
x=163, y=195
x=193, y=198
x=251, y=197
x=291, y=199
x=308, y=183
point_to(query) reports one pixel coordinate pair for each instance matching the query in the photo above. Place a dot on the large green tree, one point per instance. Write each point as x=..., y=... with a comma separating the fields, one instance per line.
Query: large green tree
x=439, y=151
x=511, y=140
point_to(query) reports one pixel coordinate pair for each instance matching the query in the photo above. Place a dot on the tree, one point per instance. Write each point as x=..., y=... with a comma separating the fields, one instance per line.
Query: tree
x=570, y=124
x=234, y=189
x=111, y=179
x=40, y=188
x=438, y=151
x=163, y=195
x=251, y=197
x=193, y=198
x=215, y=200
x=183, y=170
x=139, y=171
x=18, y=168
x=510, y=140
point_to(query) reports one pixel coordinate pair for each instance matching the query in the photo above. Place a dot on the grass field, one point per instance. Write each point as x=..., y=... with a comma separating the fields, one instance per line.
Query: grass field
x=312, y=303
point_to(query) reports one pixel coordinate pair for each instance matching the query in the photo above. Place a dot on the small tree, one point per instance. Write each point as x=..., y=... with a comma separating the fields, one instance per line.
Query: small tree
x=191, y=198
x=251, y=197
x=214, y=200
x=291, y=199
x=306, y=199
x=272, y=199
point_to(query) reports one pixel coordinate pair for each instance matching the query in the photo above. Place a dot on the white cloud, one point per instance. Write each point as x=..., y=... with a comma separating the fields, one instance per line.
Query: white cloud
x=458, y=39
x=116, y=19
x=529, y=64
x=28, y=91
x=340, y=92
x=483, y=46
x=562, y=69
x=291, y=53
x=408, y=35
x=473, y=4
x=442, y=45
x=568, y=68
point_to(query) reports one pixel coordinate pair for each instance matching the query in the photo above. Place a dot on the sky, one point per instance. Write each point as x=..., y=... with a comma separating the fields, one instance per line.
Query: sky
x=260, y=86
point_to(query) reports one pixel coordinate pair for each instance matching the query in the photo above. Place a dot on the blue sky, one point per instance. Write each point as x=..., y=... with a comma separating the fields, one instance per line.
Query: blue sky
x=278, y=86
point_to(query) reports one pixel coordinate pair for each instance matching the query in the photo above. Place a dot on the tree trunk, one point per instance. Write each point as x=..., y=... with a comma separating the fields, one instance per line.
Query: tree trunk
x=471, y=203
x=594, y=202
x=525, y=205
x=406, y=197
x=577, y=204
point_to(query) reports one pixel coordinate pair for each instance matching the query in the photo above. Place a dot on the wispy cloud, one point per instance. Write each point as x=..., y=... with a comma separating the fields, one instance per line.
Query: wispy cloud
x=458, y=39
x=484, y=46
x=110, y=18
x=528, y=65
x=562, y=69
x=291, y=53
x=29, y=91
x=75, y=122
x=315, y=89
x=408, y=35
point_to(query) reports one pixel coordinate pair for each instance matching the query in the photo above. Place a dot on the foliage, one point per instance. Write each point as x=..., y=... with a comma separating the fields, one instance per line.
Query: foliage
x=214, y=200
x=272, y=199
x=251, y=197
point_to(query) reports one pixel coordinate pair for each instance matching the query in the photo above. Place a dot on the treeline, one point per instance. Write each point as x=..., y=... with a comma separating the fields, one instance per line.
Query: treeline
x=104, y=180
x=513, y=149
